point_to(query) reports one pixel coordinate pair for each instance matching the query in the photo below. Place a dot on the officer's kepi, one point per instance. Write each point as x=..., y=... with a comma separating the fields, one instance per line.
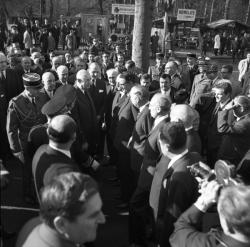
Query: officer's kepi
x=32, y=80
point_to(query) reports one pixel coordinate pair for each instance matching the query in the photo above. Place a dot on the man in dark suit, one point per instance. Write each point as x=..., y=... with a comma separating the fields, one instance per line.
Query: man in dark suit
x=111, y=92
x=84, y=110
x=179, y=188
x=78, y=65
x=54, y=158
x=10, y=87
x=127, y=116
x=171, y=68
x=139, y=210
x=208, y=108
x=106, y=65
x=98, y=94
x=140, y=133
x=191, y=68
x=233, y=209
x=235, y=141
x=178, y=96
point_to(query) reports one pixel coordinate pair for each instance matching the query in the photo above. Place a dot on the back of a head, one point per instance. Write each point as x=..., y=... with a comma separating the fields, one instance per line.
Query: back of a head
x=162, y=101
x=62, y=69
x=173, y=134
x=233, y=206
x=185, y=113
x=141, y=92
x=66, y=195
x=243, y=101
x=61, y=129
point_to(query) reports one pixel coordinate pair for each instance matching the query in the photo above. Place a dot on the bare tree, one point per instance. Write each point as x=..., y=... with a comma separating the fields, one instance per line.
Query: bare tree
x=142, y=33
x=51, y=10
x=247, y=13
x=226, y=10
x=101, y=6
x=212, y=11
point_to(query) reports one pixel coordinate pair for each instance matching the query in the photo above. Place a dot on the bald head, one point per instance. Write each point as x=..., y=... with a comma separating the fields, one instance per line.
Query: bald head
x=83, y=79
x=63, y=73
x=94, y=70
x=48, y=80
x=26, y=63
x=171, y=68
x=56, y=62
x=159, y=105
x=186, y=114
x=62, y=129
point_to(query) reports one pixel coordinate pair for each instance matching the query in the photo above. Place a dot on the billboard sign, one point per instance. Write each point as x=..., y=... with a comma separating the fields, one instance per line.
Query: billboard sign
x=123, y=9
x=186, y=15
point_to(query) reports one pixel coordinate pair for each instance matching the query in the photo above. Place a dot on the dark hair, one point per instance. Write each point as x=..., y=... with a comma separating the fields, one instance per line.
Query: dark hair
x=66, y=195
x=174, y=134
x=225, y=85
x=165, y=76
x=145, y=77
x=229, y=67
x=130, y=64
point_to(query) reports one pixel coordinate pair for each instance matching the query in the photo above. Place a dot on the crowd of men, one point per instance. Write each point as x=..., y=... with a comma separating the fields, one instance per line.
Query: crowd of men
x=58, y=113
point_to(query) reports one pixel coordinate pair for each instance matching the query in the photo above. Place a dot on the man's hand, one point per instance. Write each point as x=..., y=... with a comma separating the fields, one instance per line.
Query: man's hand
x=19, y=156
x=95, y=165
x=151, y=170
x=209, y=195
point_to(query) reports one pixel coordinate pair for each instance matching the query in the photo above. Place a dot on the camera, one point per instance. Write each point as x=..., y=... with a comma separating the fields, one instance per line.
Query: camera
x=224, y=172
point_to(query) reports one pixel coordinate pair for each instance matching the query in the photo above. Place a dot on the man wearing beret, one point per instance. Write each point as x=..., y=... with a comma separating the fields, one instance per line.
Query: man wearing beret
x=24, y=112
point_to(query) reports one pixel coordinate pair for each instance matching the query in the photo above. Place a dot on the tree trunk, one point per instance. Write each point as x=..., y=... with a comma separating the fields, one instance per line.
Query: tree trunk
x=101, y=6
x=142, y=33
x=212, y=11
x=226, y=11
x=51, y=10
x=247, y=13
x=205, y=9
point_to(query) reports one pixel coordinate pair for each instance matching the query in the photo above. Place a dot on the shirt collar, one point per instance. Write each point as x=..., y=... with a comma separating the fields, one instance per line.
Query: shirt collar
x=66, y=152
x=159, y=119
x=176, y=157
x=142, y=107
x=222, y=105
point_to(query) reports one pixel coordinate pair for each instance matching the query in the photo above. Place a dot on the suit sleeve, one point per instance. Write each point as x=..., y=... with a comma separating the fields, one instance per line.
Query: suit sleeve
x=12, y=127
x=187, y=230
x=224, y=127
x=180, y=196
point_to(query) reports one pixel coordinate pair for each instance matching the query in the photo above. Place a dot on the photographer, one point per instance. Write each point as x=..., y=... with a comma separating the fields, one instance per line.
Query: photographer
x=233, y=208
x=235, y=137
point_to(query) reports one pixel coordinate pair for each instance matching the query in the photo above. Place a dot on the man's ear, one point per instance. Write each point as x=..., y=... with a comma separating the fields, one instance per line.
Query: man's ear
x=60, y=224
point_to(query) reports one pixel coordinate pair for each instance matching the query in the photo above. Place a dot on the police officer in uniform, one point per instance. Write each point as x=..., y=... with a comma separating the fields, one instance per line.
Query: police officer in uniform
x=24, y=112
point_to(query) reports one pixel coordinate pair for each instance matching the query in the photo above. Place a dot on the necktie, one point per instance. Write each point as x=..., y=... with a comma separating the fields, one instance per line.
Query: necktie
x=33, y=101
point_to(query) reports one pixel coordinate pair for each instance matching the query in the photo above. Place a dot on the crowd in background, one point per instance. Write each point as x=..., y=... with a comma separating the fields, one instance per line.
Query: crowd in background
x=60, y=110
